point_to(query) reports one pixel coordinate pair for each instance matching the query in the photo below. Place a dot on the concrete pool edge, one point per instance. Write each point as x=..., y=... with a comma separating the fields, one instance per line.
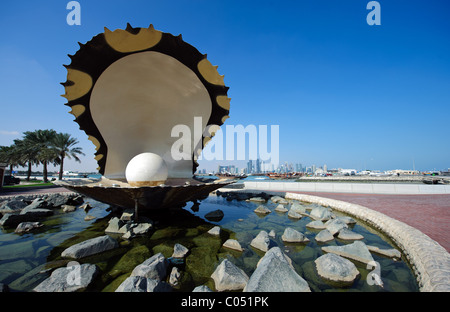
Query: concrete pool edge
x=428, y=259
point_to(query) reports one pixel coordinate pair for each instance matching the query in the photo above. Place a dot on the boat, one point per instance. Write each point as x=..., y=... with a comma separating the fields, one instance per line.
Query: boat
x=72, y=174
x=433, y=181
x=230, y=176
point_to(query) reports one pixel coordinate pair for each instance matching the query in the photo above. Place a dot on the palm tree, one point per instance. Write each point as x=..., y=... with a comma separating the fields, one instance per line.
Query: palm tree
x=11, y=156
x=27, y=154
x=64, y=145
x=40, y=141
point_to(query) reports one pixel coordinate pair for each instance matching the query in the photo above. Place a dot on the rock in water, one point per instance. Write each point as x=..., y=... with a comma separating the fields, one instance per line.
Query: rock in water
x=215, y=231
x=298, y=208
x=357, y=251
x=293, y=236
x=30, y=212
x=320, y=213
x=336, y=269
x=202, y=288
x=272, y=233
x=154, y=267
x=346, y=234
x=141, y=228
x=89, y=218
x=279, y=200
x=127, y=215
x=114, y=225
x=175, y=276
x=275, y=274
x=86, y=207
x=227, y=276
x=318, y=225
x=215, y=215
x=335, y=225
x=143, y=284
x=261, y=241
x=179, y=251
x=68, y=208
x=27, y=226
x=12, y=206
x=10, y=219
x=37, y=203
x=69, y=279
x=232, y=244
x=324, y=236
x=392, y=253
x=281, y=208
x=57, y=200
x=257, y=199
x=294, y=215
x=348, y=220
x=90, y=247
x=262, y=210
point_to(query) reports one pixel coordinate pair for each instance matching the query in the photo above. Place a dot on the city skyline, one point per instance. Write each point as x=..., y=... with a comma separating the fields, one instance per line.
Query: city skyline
x=343, y=93
x=243, y=167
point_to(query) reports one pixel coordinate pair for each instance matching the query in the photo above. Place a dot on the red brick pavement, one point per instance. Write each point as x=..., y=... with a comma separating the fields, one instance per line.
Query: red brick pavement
x=430, y=214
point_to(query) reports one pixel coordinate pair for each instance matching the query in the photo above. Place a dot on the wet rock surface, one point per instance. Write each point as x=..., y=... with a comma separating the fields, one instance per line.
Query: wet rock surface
x=143, y=284
x=336, y=269
x=228, y=277
x=261, y=241
x=356, y=251
x=69, y=279
x=275, y=274
x=90, y=247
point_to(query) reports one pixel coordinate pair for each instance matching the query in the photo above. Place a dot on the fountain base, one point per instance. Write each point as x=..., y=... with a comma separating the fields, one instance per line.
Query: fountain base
x=173, y=194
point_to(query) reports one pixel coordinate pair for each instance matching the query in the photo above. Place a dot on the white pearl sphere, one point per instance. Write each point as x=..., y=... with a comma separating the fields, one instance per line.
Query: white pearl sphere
x=146, y=169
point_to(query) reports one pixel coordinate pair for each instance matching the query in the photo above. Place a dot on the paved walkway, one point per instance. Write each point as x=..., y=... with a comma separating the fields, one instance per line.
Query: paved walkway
x=430, y=214
x=32, y=190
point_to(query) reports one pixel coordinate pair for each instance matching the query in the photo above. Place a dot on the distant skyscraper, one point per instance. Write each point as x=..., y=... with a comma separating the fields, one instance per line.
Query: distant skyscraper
x=249, y=166
x=258, y=166
x=226, y=169
x=299, y=168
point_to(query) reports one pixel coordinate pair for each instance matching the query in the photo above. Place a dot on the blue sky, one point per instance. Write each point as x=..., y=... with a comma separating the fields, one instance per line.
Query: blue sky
x=344, y=93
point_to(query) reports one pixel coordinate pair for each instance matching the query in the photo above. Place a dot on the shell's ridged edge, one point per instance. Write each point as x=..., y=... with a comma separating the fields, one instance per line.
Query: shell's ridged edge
x=94, y=57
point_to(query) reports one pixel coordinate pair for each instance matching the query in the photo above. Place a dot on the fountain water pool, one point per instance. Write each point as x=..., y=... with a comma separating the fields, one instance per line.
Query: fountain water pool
x=32, y=253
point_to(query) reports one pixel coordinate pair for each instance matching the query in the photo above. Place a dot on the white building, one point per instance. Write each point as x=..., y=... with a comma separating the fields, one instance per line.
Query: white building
x=347, y=171
x=403, y=172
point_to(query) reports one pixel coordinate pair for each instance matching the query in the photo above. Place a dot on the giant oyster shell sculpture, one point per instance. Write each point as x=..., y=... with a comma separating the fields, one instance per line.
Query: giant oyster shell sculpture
x=127, y=90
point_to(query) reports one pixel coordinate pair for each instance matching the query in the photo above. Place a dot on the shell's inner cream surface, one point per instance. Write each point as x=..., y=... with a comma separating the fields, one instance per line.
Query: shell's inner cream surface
x=137, y=101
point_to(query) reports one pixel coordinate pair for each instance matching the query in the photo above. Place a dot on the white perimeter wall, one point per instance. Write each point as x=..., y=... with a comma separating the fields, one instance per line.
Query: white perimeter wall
x=340, y=187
